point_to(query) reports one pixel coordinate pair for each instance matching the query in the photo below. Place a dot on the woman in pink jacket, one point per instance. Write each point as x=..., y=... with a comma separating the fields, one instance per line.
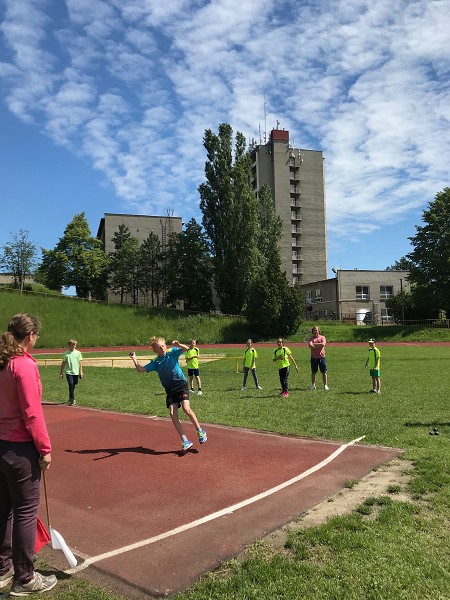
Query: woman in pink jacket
x=24, y=452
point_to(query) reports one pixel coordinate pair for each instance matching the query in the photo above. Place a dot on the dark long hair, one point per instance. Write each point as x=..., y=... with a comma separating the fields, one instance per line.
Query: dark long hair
x=19, y=327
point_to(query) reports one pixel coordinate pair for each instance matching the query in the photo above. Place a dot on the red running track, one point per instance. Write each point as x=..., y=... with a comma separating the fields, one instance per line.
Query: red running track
x=117, y=482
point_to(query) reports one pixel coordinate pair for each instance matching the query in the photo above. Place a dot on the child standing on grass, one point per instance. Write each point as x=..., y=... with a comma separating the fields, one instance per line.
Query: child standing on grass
x=250, y=356
x=72, y=367
x=175, y=383
x=192, y=366
x=283, y=356
x=373, y=361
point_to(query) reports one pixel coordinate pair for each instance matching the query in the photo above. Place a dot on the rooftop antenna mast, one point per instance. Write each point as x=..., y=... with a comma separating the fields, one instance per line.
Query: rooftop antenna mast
x=265, y=121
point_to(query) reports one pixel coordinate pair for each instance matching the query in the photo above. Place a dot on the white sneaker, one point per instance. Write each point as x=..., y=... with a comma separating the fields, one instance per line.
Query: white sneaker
x=199, y=393
x=258, y=387
x=242, y=388
x=312, y=387
x=326, y=388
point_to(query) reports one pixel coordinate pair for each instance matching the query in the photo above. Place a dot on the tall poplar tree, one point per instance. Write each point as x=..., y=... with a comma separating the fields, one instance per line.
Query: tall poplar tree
x=229, y=209
x=273, y=307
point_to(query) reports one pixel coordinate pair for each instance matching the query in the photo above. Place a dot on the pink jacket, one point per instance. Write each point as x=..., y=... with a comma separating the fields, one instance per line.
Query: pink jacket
x=21, y=416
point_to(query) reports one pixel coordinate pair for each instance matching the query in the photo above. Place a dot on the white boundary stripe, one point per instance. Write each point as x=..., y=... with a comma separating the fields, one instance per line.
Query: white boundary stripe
x=215, y=515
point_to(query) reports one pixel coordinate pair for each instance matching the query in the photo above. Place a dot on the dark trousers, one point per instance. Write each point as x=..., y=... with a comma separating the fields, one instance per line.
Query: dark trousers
x=20, y=478
x=255, y=376
x=72, y=380
x=284, y=378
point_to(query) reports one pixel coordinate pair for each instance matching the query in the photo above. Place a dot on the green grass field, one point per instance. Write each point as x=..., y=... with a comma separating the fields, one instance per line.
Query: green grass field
x=400, y=551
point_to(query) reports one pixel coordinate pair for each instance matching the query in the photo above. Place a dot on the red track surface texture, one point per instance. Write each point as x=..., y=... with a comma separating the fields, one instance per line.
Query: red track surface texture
x=117, y=480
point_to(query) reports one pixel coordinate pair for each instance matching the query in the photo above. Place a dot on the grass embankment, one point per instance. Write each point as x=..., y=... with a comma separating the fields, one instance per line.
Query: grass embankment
x=114, y=325
x=385, y=550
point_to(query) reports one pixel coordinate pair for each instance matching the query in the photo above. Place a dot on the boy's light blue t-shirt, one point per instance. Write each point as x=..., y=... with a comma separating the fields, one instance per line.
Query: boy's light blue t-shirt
x=168, y=369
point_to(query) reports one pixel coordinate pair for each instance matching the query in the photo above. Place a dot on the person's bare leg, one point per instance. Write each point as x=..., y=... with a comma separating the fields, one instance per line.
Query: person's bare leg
x=175, y=420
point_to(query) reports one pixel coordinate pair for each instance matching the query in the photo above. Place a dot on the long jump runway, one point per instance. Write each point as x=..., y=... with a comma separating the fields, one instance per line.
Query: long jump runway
x=137, y=512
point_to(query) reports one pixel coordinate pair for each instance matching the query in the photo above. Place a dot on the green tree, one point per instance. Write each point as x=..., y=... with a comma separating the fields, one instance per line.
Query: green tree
x=230, y=220
x=190, y=269
x=273, y=307
x=403, y=264
x=151, y=261
x=77, y=260
x=123, y=266
x=19, y=258
x=430, y=259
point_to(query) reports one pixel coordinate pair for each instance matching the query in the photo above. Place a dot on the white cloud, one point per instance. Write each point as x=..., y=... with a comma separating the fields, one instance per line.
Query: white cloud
x=131, y=86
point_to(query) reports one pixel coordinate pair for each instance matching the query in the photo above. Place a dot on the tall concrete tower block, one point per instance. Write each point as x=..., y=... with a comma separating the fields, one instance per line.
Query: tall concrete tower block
x=296, y=178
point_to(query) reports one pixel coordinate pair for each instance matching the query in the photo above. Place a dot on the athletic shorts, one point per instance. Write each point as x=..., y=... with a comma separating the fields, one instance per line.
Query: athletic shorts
x=374, y=372
x=177, y=396
x=192, y=372
x=318, y=363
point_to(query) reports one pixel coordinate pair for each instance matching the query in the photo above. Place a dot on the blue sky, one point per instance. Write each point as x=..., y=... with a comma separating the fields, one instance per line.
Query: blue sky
x=104, y=103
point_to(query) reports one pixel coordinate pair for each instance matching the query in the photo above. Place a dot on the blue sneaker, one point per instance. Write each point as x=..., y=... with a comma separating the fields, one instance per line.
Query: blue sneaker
x=202, y=436
x=186, y=444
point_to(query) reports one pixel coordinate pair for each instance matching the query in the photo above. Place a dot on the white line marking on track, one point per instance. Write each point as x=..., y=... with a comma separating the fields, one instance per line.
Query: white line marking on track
x=220, y=513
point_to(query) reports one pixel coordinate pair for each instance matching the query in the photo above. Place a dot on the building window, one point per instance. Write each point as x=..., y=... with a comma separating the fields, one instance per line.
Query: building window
x=318, y=295
x=308, y=296
x=294, y=241
x=385, y=314
x=294, y=255
x=294, y=280
x=386, y=291
x=362, y=292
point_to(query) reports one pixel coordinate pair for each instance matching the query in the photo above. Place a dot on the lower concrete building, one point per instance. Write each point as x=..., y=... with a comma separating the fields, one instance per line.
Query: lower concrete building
x=355, y=295
x=140, y=227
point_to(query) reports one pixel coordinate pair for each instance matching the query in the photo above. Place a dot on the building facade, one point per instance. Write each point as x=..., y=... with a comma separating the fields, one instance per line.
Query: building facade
x=355, y=295
x=140, y=227
x=296, y=178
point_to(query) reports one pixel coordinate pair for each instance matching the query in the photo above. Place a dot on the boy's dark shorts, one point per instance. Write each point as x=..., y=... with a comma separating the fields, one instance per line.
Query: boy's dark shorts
x=318, y=363
x=192, y=372
x=177, y=396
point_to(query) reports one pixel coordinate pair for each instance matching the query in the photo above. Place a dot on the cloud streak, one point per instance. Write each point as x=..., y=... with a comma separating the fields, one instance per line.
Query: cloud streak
x=132, y=86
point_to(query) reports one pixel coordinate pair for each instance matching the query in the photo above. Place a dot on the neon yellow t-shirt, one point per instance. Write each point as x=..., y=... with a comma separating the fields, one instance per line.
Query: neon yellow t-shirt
x=285, y=352
x=249, y=355
x=374, y=358
x=191, y=358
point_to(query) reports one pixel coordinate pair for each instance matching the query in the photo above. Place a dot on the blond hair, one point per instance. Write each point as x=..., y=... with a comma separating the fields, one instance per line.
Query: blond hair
x=154, y=341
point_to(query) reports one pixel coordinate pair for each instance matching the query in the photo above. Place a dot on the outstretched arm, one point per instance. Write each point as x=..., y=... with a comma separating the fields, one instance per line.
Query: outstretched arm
x=139, y=367
x=178, y=344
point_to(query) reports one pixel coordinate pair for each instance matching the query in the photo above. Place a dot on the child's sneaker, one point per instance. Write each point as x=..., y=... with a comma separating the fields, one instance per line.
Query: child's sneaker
x=326, y=388
x=312, y=387
x=186, y=444
x=285, y=394
x=258, y=387
x=40, y=583
x=192, y=390
x=199, y=393
x=202, y=436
